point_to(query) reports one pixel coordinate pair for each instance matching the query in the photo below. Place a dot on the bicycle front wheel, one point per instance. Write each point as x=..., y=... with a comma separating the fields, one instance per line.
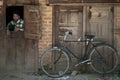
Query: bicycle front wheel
x=55, y=62
x=104, y=58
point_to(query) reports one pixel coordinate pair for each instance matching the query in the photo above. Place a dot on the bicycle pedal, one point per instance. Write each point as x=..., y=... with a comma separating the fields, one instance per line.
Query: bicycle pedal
x=78, y=64
x=89, y=63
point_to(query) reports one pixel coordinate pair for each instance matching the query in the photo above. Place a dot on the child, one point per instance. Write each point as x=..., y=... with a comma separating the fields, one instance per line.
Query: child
x=16, y=24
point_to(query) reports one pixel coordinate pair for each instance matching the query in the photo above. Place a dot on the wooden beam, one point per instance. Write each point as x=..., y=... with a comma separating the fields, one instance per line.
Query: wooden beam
x=82, y=4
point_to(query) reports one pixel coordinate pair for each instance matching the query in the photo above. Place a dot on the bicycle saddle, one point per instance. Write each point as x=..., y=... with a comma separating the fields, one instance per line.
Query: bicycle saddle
x=89, y=36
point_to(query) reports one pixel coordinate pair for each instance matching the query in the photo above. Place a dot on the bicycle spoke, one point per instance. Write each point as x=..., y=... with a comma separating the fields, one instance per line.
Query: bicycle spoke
x=52, y=65
x=104, y=58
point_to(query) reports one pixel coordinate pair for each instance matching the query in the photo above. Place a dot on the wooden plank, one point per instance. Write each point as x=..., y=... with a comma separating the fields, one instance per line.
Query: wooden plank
x=20, y=51
x=11, y=2
x=21, y=55
x=31, y=55
x=101, y=23
x=84, y=4
x=66, y=22
x=31, y=1
x=3, y=52
x=11, y=54
x=83, y=1
x=100, y=1
x=32, y=29
x=27, y=1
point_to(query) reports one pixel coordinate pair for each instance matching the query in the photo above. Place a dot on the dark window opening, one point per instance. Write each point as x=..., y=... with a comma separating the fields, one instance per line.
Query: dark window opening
x=14, y=29
x=10, y=10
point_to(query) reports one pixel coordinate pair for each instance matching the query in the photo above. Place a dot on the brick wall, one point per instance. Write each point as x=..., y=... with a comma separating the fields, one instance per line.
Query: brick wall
x=46, y=15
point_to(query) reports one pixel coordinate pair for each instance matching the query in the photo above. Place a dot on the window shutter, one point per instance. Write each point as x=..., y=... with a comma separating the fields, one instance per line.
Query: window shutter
x=32, y=22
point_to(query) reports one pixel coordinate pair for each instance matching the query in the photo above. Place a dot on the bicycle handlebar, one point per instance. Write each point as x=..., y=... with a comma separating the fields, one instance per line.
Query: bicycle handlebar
x=66, y=34
x=70, y=33
x=88, y=37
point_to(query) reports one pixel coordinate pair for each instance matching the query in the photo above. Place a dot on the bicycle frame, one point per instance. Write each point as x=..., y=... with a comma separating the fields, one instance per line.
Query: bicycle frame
x=89, y=44
x=85, y=56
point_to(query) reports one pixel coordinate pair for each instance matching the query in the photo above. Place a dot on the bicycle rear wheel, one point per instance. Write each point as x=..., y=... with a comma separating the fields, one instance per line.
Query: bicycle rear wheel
x=104, y=58
x=55, y=62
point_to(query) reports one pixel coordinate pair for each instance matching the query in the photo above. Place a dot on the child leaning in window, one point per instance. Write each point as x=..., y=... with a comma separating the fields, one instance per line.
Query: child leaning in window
x=17, y=24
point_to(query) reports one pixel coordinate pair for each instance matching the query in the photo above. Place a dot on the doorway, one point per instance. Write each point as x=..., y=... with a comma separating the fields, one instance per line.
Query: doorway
x=17, y=52
x=69, y=18
x=11, y=9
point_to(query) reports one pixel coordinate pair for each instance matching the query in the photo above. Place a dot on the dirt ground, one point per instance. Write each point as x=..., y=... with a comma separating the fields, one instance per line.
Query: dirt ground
x=32, y=76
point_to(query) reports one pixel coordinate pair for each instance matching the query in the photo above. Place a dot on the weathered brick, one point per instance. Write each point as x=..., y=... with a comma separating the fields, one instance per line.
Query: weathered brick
x=46, y=20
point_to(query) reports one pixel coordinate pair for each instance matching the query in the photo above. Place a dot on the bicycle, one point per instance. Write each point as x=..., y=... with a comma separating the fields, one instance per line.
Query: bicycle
x=102, y=57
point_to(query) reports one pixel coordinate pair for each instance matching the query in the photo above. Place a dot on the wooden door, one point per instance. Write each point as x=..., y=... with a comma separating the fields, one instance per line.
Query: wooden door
x=100, y=22
x=19, y=52
x=32, y=35
x=32, y=20
x=69, y=19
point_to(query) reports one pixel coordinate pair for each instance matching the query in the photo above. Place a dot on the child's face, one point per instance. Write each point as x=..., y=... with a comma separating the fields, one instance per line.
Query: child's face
x=16, y=17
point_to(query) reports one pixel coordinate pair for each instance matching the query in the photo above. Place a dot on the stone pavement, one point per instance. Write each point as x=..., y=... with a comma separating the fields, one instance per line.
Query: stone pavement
x=30, y=76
